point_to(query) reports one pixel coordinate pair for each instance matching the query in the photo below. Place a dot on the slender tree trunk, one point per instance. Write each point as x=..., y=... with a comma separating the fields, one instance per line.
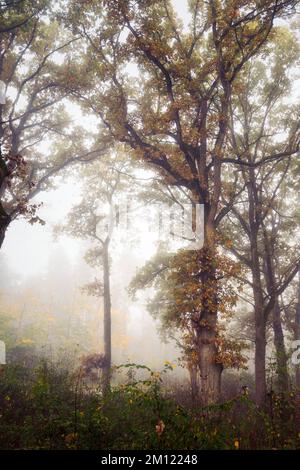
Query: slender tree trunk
x=260, y=328
x=107, y=320
x=259, y=310
x=260, y=361
x=270, y=278
x=297, y=335
x=281, y=356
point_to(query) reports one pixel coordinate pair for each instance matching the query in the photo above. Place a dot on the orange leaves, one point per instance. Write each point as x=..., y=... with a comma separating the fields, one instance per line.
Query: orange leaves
x=201, y=281
x=237, y=444
x=159, y=428
x=230, y=353
x=71, y=440
x=228, y=243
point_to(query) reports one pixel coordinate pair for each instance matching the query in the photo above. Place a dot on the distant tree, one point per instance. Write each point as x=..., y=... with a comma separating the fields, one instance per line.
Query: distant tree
x=264, y=146
x=93, y=219
x=296, y=331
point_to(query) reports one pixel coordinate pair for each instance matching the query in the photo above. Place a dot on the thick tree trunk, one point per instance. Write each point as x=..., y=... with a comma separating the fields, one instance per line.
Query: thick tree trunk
x=281, y=356
x=210, y=369
x=211, y=372
x=5, y=218
x=107, y=320
x=193, y=371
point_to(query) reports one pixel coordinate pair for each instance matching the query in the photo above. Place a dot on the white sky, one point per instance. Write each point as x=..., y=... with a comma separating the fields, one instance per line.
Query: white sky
x=27, y=247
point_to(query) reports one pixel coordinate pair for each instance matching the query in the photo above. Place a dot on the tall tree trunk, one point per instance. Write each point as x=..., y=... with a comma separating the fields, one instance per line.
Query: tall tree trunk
x=210, y=369
x=281, y=355
x=5, y=218
x=259, y=310
x=260, y=327
x=270, y=278
x=260, y=359
x=107, y=319
x=297, y=335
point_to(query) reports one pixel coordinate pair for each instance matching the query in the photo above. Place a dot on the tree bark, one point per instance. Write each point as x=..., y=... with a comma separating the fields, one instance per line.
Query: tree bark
x=5, y=218
x=210, y=369
x=107, y=319
x=260, y=317
x=271, y=282
x=281, y=355
x=193, y=371
x=4, y=223
x=260, y=326
x=297, y=335
x=260, y=360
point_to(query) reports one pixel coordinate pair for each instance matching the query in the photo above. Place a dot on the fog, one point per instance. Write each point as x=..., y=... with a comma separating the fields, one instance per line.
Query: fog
x=51, y=271
x=149, y=225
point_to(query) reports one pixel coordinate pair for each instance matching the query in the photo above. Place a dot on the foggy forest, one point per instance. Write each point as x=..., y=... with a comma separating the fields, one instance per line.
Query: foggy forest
x=149, y=225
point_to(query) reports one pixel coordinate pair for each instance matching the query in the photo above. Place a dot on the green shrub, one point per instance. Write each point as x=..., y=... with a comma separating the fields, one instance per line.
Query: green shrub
x=51, y=407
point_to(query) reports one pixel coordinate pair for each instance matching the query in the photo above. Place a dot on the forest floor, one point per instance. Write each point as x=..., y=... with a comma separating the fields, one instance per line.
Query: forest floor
x=49, y=407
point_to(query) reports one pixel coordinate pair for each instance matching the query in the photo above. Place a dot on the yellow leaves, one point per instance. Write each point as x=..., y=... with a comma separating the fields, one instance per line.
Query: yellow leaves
x=158, y=49
x=236, y=444
x=26, y=341
x=230, y=353
x=170, y=365
x=252, y=26
x=155, y=375
x=198, y=282
x=191, y=135
x=181, y=69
